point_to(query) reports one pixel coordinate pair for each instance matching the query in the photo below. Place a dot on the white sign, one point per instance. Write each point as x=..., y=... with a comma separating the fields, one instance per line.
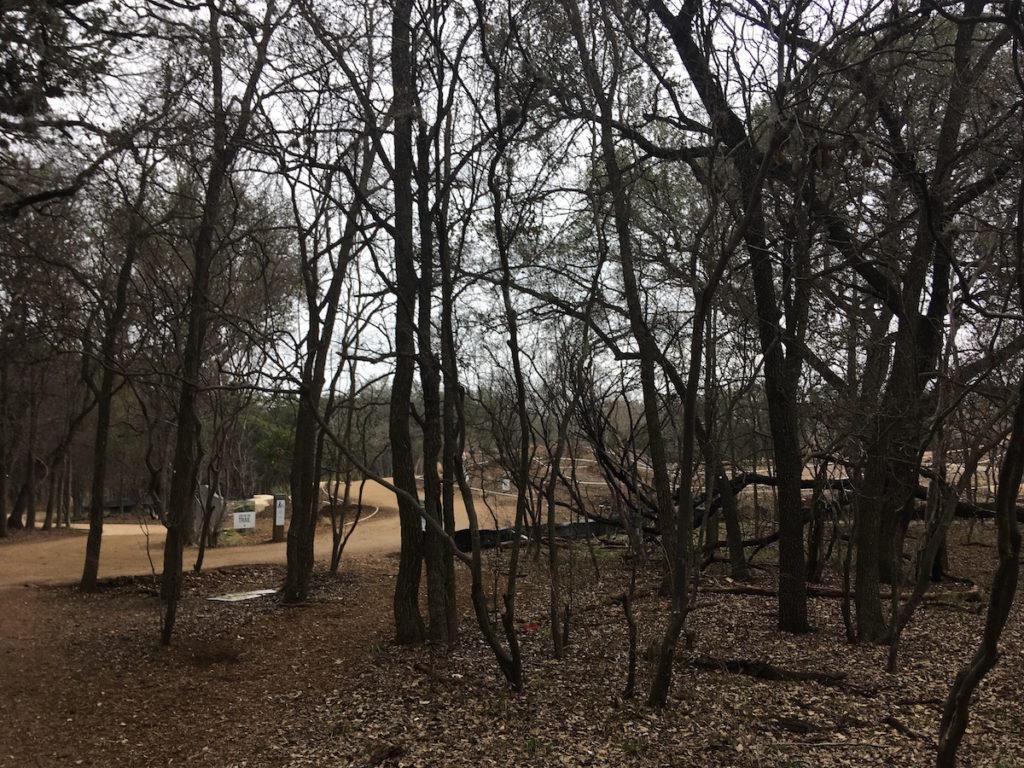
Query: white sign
x=245, y=520
x=279, y=518
x=505, y=484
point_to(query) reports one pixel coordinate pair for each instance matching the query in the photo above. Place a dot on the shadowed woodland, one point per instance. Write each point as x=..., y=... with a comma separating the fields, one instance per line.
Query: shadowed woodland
x=690, y=334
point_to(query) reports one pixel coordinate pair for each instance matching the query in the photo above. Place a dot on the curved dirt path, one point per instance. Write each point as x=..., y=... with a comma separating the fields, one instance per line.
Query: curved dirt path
x=58, y=557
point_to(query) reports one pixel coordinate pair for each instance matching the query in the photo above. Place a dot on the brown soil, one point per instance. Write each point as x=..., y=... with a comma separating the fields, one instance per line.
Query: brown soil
x=83, y=682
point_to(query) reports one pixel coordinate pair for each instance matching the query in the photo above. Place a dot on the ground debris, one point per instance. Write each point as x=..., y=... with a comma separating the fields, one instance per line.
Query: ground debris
x=254, y=684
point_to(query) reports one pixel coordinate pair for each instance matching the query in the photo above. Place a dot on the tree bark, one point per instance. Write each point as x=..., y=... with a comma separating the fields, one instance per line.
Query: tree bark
x=1004, y=587
x=3, y=495
x=647, y=347
x=408, y=621
x=105, y=395
x=780, y=370
x=435, y=546
x=305, y=473
x=187, y=449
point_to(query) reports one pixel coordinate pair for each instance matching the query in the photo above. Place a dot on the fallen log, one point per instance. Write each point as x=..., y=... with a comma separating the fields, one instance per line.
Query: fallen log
x=968, y=595
x=904, y=729
x=765, y=671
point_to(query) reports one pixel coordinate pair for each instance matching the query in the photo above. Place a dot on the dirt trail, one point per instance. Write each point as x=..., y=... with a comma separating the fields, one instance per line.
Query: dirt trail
x=57, y=558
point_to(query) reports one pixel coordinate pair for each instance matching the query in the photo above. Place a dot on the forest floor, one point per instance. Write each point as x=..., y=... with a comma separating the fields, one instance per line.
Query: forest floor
x=83, y=680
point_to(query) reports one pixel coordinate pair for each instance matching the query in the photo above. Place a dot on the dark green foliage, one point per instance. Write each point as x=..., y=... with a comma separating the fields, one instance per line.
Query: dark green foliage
x=49, y=49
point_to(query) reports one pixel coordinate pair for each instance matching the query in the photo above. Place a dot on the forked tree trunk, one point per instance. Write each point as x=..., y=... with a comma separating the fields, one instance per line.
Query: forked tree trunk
x=451, y=452
x=226, y=145
x=105, y=396
x=509, y=660
x=1004, y=584
x=307, y=452
x=646, y=343
x=780, y=381
x=893, y=451
x=435, y=545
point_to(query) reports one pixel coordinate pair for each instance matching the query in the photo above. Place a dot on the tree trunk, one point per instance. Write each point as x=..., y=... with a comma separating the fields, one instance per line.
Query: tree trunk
x=66, y=501
x=554, y=577
x=1004, y=584
x=186, y=463
x=893, y=450
x=51, y=495
x=435, y=545
x=647, y=348
x=76, y=497
x=307, y=451
x=866, y=541
x=3, y=493
x=451, y=458
x=890, y=474
x=1004, y=587
x=408, y=621
x=509, y=661
x=780, y=391
x=679, y=607
x=30, y=467
x=779, y=373
x=738, y=568
x=5, y=449
x=187, y=449
x=94, y=541
x=305, y=496
x=816, y=539
x=104, y=400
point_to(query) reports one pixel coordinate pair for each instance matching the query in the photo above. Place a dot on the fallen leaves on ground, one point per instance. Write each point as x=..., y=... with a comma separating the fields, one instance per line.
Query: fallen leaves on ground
x=264, y=684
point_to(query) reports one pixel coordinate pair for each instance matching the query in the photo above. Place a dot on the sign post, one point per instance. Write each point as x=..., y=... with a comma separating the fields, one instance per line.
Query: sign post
x=279, y=508
x=245, y=520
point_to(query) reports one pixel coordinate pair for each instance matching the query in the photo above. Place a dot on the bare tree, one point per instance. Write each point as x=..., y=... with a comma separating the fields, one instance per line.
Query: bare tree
x=230, y=124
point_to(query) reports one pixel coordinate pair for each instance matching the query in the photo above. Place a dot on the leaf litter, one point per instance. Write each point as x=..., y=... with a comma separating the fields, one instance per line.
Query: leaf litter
x=259, y=683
